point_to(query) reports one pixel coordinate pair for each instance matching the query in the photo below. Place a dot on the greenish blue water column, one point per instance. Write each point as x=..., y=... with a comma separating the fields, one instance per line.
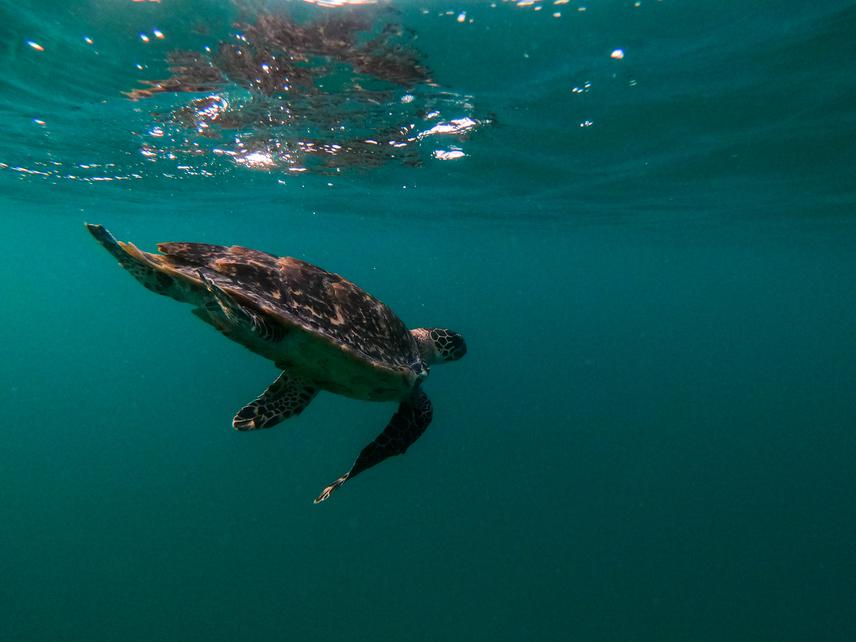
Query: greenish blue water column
x=652, y=258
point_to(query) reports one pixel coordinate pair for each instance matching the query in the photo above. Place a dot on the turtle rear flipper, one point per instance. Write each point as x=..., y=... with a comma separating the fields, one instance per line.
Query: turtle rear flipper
x=284, y=398
x=141, y=265
x=406, y=426
x=240, y=315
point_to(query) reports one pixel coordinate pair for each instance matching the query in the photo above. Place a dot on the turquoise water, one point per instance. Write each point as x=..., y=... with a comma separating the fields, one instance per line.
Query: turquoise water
x=652, y=258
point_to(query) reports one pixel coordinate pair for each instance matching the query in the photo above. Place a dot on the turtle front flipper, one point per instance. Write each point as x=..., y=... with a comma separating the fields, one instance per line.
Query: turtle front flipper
x=284, y=398
x=407, y=424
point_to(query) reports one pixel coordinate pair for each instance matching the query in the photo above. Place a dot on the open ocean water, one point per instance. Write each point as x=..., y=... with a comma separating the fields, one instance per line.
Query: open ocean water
x=641, y=216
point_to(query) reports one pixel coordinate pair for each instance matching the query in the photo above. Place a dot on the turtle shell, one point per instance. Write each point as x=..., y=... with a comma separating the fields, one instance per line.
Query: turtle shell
x=303, y=296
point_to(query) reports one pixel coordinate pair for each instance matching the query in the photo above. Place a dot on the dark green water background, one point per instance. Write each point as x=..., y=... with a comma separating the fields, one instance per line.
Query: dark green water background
x=651, y=438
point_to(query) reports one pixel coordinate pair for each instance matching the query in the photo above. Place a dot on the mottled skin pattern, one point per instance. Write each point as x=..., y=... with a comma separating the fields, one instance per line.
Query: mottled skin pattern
x=323, y=331
x=440, y=344
x=284, y=398
x=405, y=427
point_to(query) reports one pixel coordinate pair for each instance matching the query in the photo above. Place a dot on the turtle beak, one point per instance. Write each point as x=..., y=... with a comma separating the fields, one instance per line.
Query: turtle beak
x=458, y=348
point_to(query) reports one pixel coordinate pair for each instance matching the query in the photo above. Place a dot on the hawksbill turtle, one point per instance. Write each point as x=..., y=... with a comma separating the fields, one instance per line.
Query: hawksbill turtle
x=322, y=331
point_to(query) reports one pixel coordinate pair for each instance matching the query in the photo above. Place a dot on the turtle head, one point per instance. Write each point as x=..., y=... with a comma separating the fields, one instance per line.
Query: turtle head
x=437, y=345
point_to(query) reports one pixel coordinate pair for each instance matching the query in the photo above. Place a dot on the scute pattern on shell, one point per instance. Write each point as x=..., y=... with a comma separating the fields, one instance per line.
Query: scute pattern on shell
x=299, y=293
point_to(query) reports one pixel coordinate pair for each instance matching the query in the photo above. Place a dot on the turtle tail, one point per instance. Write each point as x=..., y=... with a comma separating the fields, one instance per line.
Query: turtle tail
x=143, y=266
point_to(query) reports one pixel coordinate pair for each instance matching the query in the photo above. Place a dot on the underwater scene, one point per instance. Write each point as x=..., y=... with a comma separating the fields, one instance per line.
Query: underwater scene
x=590, y=263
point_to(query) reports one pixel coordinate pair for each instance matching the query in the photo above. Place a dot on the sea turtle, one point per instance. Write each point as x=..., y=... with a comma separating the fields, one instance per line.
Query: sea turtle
x=322, y=331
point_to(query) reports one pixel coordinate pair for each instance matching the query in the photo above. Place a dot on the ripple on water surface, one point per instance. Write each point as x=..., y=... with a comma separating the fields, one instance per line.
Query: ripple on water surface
x=292, y=90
